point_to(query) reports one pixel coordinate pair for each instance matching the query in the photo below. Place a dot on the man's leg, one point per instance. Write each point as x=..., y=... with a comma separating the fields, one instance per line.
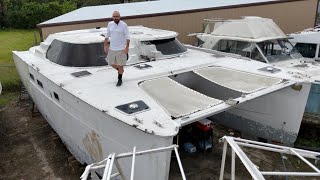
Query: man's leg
x=112, y=59
x=120, y=72
x=114, y=66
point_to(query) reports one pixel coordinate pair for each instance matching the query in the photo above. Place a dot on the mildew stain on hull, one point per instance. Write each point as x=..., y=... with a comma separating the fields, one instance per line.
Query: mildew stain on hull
x=93, y=146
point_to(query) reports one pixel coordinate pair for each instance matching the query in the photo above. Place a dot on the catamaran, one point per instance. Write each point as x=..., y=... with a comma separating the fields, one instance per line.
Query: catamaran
x=166, y=85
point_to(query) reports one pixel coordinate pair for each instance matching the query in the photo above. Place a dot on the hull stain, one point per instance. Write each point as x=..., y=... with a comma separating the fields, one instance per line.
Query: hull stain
x=93, y=146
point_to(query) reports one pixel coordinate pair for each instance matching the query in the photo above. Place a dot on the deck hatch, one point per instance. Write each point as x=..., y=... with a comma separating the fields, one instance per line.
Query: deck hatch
x=301, y=66
x=133, y=107
x=270, y=69
x=142, y=66
x=80, y=73
x=175, y=98
x=240, y=81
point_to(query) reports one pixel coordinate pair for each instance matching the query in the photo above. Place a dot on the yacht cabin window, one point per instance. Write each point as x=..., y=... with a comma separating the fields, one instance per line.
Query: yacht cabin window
x=278, y=50
x=76, y=55
x=167, y=46
x=246, y=49
x=306, y=50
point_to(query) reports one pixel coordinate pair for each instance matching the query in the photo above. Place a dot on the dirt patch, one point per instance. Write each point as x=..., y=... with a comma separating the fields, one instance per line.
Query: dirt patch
x=30, y=149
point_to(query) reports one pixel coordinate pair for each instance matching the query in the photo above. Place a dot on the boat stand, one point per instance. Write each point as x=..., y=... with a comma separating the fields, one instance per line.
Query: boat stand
x=113, y=158
x=23, y=93
x=34, y=110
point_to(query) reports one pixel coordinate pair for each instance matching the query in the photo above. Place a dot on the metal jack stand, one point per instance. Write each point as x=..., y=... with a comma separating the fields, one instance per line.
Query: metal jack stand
x=23, y=93
x=34, y=110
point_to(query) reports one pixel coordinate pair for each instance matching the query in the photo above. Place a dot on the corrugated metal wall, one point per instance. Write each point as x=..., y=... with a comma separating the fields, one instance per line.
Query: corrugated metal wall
x=290, y=16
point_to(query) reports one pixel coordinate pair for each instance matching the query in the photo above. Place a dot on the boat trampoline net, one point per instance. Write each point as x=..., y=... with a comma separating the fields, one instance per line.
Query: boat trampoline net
x=175, y=98
x=237, y=80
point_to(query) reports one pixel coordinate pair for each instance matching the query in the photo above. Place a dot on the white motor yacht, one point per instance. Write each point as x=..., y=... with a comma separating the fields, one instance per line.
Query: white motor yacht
x=307, y=42
x=262, y=40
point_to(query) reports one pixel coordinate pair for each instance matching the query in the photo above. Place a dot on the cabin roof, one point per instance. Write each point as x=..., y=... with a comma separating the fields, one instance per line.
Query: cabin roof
x=250, y=28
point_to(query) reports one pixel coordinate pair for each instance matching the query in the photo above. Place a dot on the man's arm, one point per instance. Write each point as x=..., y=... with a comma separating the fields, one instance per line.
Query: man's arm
x=126, y=50
x=106, y=45
x=106, y=40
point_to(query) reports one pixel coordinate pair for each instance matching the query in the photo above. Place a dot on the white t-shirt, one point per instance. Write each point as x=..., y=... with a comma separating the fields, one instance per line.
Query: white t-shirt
x=118, y=35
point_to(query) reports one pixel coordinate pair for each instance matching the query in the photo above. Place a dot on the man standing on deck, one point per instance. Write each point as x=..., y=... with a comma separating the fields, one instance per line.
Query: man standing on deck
x=118, y=36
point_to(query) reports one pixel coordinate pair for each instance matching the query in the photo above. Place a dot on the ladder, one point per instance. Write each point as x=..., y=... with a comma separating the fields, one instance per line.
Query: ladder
x=113, y=158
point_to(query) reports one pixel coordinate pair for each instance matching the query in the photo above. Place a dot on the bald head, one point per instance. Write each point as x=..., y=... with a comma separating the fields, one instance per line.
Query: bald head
x=116, y=16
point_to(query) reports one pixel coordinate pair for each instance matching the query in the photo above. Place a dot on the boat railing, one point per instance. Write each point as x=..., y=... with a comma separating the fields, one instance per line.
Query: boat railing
x=113, y=158
x=254, y=171
x=234, y=143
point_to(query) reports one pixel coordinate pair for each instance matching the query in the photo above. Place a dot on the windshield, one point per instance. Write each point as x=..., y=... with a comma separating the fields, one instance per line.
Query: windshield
x=278, y=50
x=76, y=55
x=167, y=46
x=246, y=49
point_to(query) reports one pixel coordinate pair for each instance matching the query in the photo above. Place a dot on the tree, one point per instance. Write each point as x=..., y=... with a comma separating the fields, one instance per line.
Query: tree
x=29, y=14
x=1, y=13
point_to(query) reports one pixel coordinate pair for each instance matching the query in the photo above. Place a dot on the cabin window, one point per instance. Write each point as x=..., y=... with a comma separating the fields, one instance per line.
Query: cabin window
x=56, y=96
x=306, y=50
x=76, y=55
x=224, y=46
x=31, y=76
x=256, y=55
x=278, y=50
x=200, y=43
x=235, y=47
x=40, y=83
x=245, y=49
x=167, y=46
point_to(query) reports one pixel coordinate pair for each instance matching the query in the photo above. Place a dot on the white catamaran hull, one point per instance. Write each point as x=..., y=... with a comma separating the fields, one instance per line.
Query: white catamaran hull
x=91, y=135
x=276, y=116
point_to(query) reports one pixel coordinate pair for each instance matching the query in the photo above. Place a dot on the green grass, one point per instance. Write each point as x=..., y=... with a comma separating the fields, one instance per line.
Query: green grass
x=8, y=96
x=308, y=142
x=10, y=40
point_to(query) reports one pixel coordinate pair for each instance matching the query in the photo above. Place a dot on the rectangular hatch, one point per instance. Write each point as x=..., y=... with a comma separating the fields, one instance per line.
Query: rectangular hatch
x=239, y=81
x=175, y=98
x=80, y=74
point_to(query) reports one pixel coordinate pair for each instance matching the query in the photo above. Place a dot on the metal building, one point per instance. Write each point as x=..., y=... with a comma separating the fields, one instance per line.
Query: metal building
x=186, y=16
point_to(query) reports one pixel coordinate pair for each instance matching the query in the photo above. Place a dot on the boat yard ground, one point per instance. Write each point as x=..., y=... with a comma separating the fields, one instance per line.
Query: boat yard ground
x=30, y=149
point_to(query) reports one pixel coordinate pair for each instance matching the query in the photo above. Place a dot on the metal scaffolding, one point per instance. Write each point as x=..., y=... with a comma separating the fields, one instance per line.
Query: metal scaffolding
x=234, y=143
x=256, y=174
x=113, y=158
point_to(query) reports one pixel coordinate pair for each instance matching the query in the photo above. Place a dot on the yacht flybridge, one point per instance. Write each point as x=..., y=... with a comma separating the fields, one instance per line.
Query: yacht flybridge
x=166, y=85
x=258, y=39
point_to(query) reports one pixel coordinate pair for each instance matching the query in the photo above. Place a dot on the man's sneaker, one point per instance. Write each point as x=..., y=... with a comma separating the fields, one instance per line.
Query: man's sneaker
x=119, y=82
